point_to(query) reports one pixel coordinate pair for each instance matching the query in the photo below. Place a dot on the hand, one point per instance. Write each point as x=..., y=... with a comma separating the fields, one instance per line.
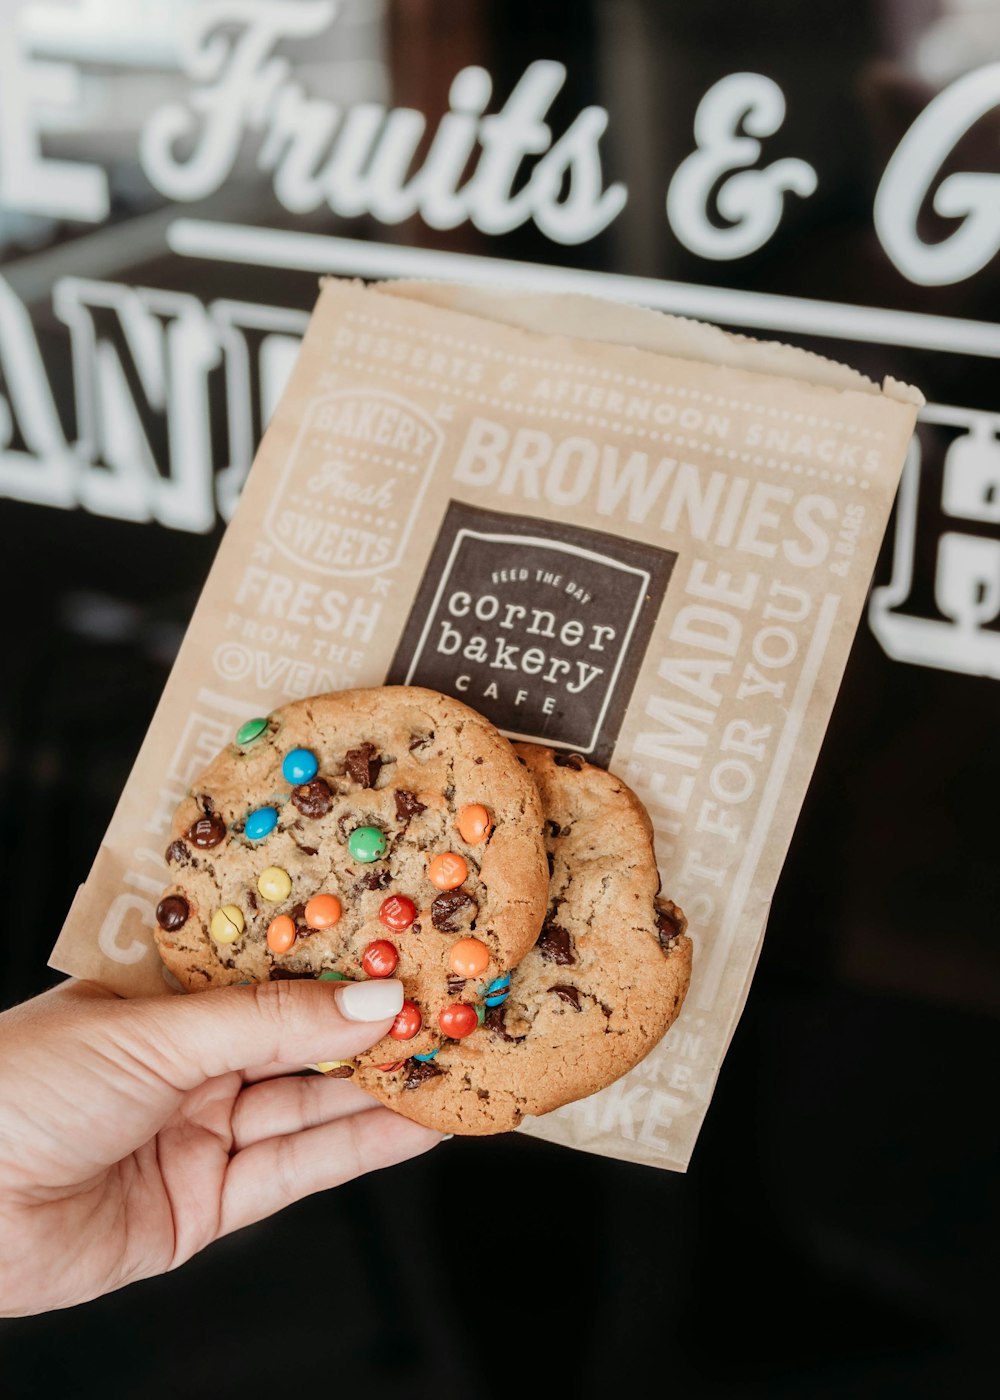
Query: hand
x=134, y=1133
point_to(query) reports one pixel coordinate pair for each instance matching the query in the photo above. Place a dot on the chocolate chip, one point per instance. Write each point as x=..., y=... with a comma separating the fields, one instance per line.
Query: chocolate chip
x=340, y=1072
x=207, y=832
x=494, y=1021
x=306, y=850
x=555, y=945
x=207, y=805
x=479, y=760
x=414, y=928
x=452, y=910
x=420, y=741
x=363, y=765
x=455, y=985
x=252, y=901
x=668, y=928
x=172, y=912
x=373, y=880
x=553, y=828
x=570, y=760
x=177, y=853
x=407, y=805
x=551, y=863
x=482, y=1093
x=568, y=994
x=346, y=823
x=418, y=1072
x=313, y=799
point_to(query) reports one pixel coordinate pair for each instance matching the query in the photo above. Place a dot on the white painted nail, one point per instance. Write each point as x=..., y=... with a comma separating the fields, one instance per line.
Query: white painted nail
x=370, y=1001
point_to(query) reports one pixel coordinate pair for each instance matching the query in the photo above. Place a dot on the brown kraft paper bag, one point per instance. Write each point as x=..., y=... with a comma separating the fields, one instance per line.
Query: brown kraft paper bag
x=616, y=532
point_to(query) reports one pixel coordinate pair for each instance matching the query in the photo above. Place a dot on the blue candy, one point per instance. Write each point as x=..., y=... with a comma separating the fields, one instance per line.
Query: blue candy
x=300, y=766
x=260, y=823
x=428, y=1057
x=498, y=991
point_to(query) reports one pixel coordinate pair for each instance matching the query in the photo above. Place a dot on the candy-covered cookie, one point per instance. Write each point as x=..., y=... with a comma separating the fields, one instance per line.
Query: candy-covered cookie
x=603, y=983
x=369, y=833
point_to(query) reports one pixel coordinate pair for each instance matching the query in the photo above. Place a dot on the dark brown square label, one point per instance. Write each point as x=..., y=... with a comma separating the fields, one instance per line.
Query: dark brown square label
x=541, y=627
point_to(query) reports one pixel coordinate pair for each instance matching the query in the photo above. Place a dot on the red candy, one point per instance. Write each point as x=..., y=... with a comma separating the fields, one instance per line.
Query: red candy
x=397, y=912
x=380, y=959
x=458, y=1020
x=396, y=1064
x=408, y=1022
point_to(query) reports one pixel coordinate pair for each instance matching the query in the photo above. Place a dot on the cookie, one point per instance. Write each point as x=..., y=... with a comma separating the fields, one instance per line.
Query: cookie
x=367, y=833
x=603, y=983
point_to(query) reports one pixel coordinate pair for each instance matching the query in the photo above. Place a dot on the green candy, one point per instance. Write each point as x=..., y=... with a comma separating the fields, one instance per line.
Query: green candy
x=366, y=843
x=480, y=1012
x=251, y=730
x=333, y=977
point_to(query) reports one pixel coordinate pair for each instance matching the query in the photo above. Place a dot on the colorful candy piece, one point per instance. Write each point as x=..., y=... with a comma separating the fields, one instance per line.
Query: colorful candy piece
x=331, y=1067
x=172, y=912
x=498, y=991
x=227, y=924
x=474, y=824
x=380, y=959
x=207, y=831
x=387, y=1069
x=458, y=1020
x=260, y=823
x=447, y=870
x=429, y=1056
x=407, y=1023
x=274, y=884
x=366, y=843
x=281, y=934
x=333, y=977
x=397, y=912
x=299, y=766
x=469, y=957
x=322, y=911
x=250, y=731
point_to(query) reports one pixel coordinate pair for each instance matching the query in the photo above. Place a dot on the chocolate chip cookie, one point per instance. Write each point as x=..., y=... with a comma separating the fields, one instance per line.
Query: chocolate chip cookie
x=369, y=833
x=603, y=983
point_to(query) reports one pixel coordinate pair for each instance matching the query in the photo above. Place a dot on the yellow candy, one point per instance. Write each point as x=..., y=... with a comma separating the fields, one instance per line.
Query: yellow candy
x=227, y=924
x=274, y=883
x=325, y=1066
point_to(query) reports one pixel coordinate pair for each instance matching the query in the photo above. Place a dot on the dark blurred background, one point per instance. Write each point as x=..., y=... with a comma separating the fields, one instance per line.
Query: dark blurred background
x=837, y=1232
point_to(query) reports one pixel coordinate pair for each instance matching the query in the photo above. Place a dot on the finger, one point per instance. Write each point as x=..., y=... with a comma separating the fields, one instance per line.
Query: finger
x=255, y=1073
x=280, y=1106
x=270, y=1175
x=193, y=1038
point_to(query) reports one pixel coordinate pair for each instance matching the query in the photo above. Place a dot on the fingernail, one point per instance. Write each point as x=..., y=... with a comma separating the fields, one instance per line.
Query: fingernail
x=447, y=1137
x=370, y=1001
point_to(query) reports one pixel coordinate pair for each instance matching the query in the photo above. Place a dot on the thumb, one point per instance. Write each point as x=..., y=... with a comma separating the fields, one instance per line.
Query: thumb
x=197, y=1037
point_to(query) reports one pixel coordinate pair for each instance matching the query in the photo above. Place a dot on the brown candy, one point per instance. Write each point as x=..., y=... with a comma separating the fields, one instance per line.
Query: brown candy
x=207, y=831
x=313, y=799
x=569, y=995
x=363, y=765
x=555, y=945
x=455, y=985
x=452, y=910
x=172, y=912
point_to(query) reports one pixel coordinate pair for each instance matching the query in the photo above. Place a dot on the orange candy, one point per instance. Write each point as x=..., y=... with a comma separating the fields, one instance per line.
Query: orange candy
x=474, y=824
x=323, y=911
x=447, y=871
x=469, y=957
x=281, y=934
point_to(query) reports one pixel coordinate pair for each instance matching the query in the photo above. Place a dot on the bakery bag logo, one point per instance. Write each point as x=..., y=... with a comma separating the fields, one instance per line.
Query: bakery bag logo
x=540, y=626
x=941, y=606
x=353, y=483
